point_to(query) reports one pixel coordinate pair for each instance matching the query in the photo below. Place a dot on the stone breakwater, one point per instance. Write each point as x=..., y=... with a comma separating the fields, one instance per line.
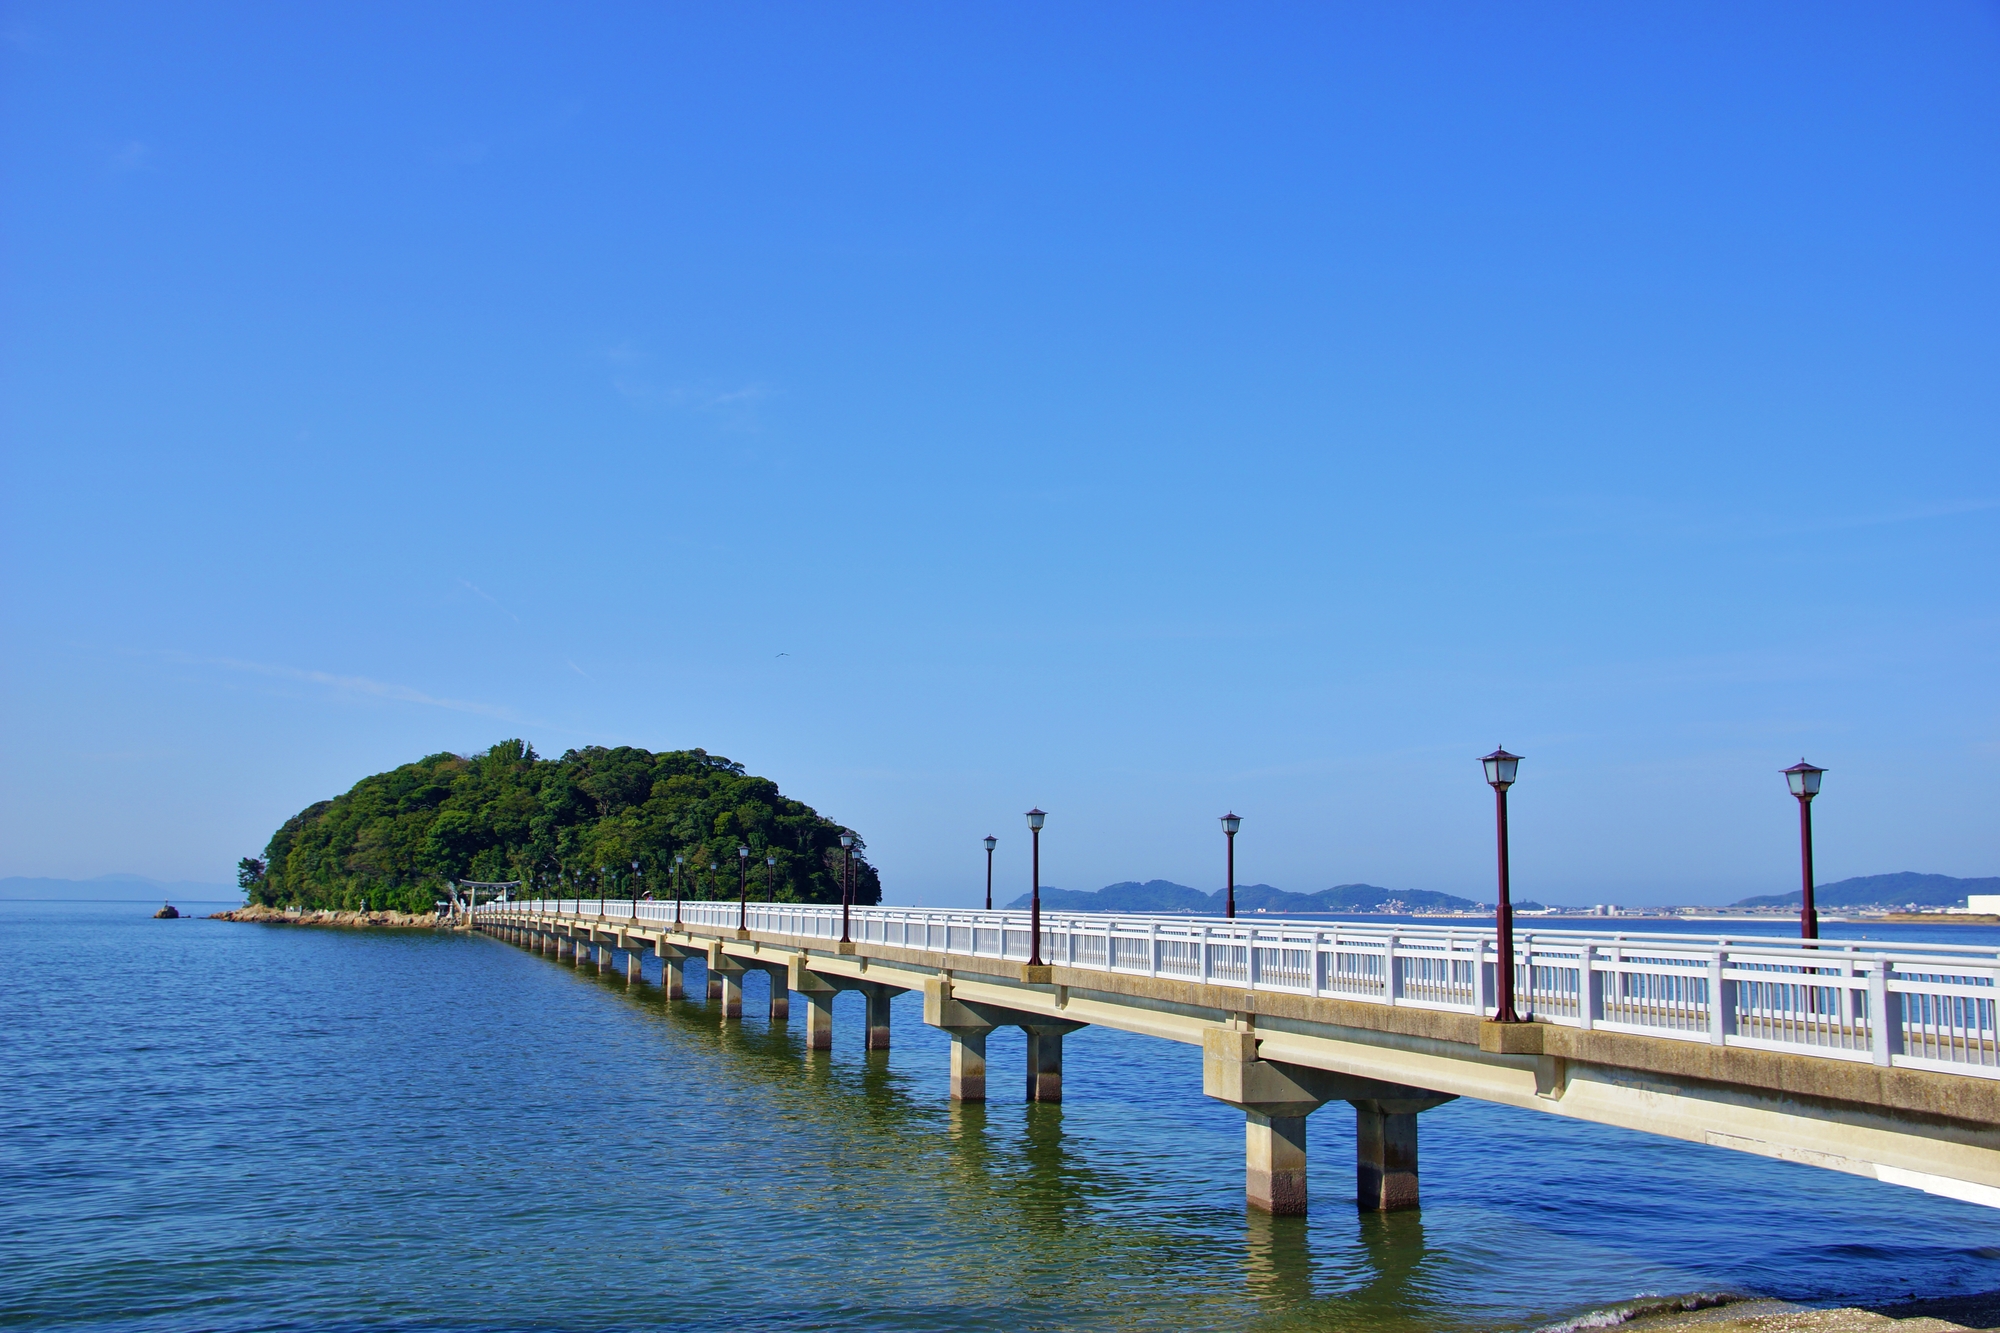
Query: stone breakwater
x=278, y=916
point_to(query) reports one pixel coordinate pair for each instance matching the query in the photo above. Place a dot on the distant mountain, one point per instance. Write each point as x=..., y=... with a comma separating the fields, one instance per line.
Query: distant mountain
x=1899, y=890
x=118, y=888
x=1159, y=895
x=1155, y=895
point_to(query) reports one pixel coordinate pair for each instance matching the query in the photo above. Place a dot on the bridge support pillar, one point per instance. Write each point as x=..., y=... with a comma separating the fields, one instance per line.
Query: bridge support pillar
x=673, y=963
x=633, y=974
x=878, y=1014
x=1276, y=1098
x=781, y=995
x=819, y=1020
x=968, y=1024
x=1274, y=1162
x=605, y=959
x=732, y=994
x=565, y=948
x=818, y=995
x=968, y=1065
x=1385, y=1146
x=1045, y=1059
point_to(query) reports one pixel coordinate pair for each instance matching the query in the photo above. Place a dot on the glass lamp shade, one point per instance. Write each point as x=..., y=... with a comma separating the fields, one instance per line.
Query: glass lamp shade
x=680, y=860
x=991, y=843
x=847, y=840
x=1500, y=768
x=635, y=867
x=1231, y=822
x=743, y=852
x=771, y=861
x=1035, y=818
x=1803, y=779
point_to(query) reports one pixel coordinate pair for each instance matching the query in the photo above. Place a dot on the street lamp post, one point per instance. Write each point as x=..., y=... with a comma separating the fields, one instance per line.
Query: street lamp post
x=1035, y=818
x=846, y=881
x=1803, y=779
x=742, y=888
x=1230, y=823
x=635, y=886
x=679, y=889
x=603, y=874
x=990, y=843
x=1500, y=768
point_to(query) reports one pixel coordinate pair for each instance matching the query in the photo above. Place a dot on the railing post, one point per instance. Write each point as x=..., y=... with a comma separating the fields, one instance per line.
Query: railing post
x=1203, y=945
x=1153, y=949
x=1392, y=972
x=1721, y=999
x=1885, y=1019
x=1589, y=993
x=1481, y=993
x=1250, y=959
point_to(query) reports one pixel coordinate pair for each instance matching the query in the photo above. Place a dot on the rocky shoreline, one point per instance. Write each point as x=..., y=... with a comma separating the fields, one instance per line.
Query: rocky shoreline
x=1959, y=1314
x=278, y=916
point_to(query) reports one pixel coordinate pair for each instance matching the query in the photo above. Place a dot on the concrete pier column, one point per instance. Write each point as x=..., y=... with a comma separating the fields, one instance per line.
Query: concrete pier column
x=878, y=1016
x=673, y=963
x=1385, y=1152
x=605, y=958
x=1044, y=1062
x=968, y=1065
x=781, y=995
x=819, y=1020
x=1274, y=1162
x=564, y=948
x=634, y=975
x=732, y=994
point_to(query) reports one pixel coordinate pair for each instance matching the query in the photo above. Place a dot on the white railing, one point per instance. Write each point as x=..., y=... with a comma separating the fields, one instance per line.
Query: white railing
x=1931, y=1007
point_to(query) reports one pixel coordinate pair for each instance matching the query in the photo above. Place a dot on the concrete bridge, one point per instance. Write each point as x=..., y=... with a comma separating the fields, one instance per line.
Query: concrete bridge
x=1883, y=1063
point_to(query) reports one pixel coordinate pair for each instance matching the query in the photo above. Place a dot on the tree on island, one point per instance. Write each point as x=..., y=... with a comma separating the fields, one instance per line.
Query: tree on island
x=571, y=827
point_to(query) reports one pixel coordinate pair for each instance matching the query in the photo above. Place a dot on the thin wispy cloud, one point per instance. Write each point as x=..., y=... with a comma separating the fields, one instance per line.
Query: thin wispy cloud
x=480, y=592
x=349, y=685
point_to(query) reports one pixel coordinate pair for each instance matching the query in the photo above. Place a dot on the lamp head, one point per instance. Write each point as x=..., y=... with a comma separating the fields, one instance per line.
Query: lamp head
x=1231, y=822
x=771, y=861
x=1500, y=768
x=1035, y=818
x=680, y=860
x=991, y=842
x=847, y=840
x=743, y=853
x=1803, y=779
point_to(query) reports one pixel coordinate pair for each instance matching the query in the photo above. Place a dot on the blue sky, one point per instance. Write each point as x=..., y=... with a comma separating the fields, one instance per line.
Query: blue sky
x=1138, y=411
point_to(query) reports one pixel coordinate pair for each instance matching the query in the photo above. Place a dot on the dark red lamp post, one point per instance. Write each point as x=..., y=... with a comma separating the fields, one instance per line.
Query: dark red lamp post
x=991, y=842
x=1500, y=768
x=742, y=888
x=679, y=874
x=1803, y=779
x=1035, y=818
x=846, y=881
x=1230, y=823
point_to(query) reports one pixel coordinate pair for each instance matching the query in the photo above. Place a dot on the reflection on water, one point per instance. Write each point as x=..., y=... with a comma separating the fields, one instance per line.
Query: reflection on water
x=332, y=1128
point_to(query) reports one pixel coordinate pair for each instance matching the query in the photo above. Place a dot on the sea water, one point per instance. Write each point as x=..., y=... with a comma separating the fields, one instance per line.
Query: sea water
x=216, y=1126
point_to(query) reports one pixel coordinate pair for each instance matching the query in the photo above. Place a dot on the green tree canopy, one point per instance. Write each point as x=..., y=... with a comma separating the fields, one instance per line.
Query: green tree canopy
x=572, y=826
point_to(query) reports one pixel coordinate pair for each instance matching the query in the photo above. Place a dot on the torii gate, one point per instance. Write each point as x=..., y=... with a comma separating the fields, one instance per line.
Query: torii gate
x=472, y=888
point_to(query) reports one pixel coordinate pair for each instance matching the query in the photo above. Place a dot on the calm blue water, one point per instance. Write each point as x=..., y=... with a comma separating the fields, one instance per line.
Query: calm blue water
x=211, y=1126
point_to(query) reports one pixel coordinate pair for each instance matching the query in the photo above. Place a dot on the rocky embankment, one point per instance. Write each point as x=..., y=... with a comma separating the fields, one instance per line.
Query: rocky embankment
x=278, y=916
x=1935, y=1316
